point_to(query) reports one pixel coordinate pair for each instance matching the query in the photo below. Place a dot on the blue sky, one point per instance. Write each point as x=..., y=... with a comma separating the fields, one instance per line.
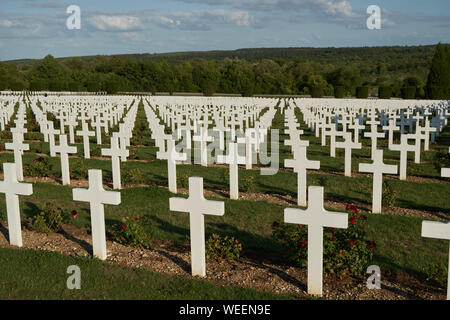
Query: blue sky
x=35, y=28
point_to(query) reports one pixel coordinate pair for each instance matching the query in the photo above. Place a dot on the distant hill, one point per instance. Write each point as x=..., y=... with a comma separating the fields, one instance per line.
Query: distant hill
x=321, y=55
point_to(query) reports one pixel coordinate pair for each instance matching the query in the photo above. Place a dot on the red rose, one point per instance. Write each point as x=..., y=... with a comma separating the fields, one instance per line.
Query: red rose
x=351, y=243
x=333, y=239
x=124, y=227
x=299, y=225
x=136, y=219
x=303, y=244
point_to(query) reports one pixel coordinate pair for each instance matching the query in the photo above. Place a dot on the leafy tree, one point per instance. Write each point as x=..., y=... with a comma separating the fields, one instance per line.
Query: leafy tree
x=438, y=82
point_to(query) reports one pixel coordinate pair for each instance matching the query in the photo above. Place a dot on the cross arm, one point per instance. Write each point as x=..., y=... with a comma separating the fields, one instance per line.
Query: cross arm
x=178, y=204
x=433, y=229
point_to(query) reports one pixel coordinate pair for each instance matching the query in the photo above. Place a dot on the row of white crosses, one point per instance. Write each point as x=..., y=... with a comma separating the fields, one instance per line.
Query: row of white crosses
x=95, y=195
x=64, y=149
x=252, y=138
x=314, y=216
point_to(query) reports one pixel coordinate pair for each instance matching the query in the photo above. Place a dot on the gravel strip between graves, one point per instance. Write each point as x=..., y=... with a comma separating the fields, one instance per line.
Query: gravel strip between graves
x=250, y=271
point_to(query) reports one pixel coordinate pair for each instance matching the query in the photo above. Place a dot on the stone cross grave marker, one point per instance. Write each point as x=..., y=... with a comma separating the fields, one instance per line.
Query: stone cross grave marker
x=172, y=157
x=233, y=160
x=85, y=133
x=51, y=131
x=97, y=198
x=17, y=146
x=197, y=206
x=203, y=138
x=315, y=217
x=64, y=149
x=404, y=148
x=11, y=187
x=374, y=135
x=438, y=230
x=378, y=167
x=348, y=145
x=300, y=163
x=115, y=152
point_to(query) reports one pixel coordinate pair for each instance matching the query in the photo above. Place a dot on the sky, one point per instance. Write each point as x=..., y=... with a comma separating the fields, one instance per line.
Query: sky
x=35, y=28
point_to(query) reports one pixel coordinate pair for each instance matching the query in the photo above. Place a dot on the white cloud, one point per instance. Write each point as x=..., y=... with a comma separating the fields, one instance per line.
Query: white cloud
x=7, y=23
x=203, y=20
x=116, y=23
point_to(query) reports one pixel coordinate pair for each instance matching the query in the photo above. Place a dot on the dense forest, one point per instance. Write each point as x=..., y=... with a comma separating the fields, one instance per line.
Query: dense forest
x=389, y=71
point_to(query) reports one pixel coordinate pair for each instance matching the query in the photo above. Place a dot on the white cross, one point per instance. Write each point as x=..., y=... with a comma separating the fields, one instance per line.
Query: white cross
x=12, y=189
x=197, y=206
x=438, y=230
x=374, y=135
x=115, y=153
x=172, y=156
x=391, y=128
x=356, y=127
x=233, y=159
x=316, y=217
x=18, y=148
x=427, y=129
x=203, y=138
x=51, y=137
x=97, y=124
x=97, y=198
x=377, y=168
x=72, y=123
x=85, y=133
x=300, y=163
x=348, y=145
x=404, y=148
x=64, y=149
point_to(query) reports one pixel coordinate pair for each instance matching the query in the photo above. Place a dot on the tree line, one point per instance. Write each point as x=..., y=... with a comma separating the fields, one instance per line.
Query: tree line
x=408, y=72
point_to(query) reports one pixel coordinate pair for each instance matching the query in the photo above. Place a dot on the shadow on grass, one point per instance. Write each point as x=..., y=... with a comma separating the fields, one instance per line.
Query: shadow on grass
x=85, y=245
x=180, y=262
x=435, y=211
x=395, y=268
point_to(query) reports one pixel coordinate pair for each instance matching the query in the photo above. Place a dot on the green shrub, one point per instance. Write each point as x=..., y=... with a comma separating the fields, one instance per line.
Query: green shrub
x=441, y=160
x=339, y=92
x=40, y=167
x=344, y=250
x=36, y=147
x=389, y=194
x=248, y=184
x=317, y=92
x=78, y=169
x=409, y=92
x=132, y=175
x=436, y=93
x=384, y=92
x=437, y=272
x=183, y=180
x=131, y=233
x=220, y=249
x=362, y=92
x=49, y=220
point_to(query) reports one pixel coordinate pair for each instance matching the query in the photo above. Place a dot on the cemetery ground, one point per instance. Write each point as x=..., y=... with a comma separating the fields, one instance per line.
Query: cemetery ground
x=407, y=261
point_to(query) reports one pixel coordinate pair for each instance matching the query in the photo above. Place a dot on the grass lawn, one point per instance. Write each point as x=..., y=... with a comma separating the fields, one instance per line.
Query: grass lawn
x=30, y=274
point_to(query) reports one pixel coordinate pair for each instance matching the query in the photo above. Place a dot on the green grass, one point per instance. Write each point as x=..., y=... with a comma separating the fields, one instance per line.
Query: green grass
x=399, y=241
x=34, y=274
